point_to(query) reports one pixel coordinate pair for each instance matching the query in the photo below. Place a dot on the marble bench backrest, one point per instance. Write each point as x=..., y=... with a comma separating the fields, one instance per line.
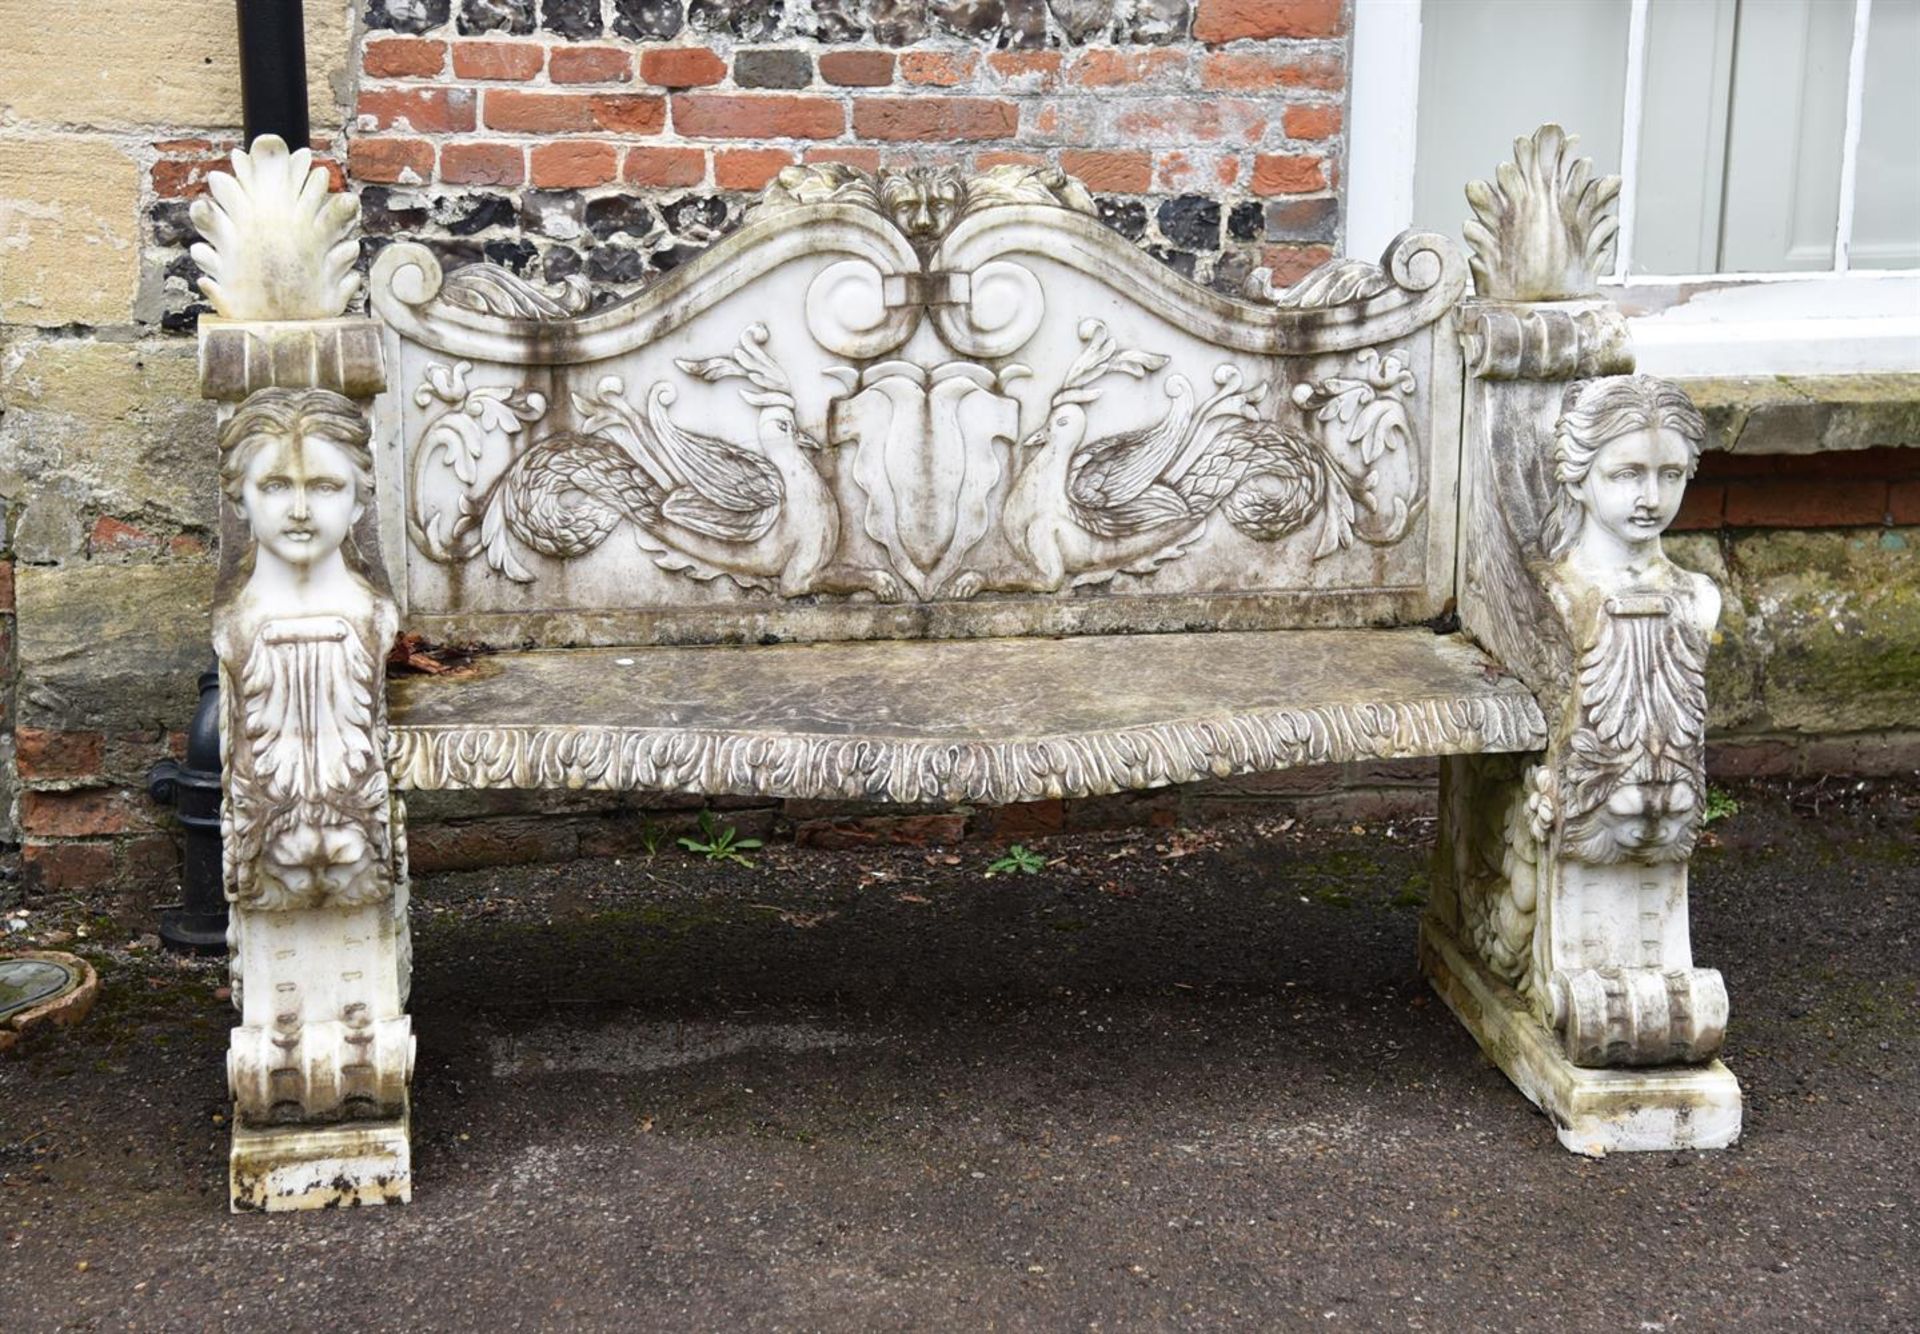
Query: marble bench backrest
x=917, y=405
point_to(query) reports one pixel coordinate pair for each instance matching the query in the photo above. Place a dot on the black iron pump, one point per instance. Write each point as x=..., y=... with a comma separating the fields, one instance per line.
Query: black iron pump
x=199, y=921
x=273, y=96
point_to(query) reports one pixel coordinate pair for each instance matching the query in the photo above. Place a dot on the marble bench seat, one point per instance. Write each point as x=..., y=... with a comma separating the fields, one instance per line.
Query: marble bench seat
x=986, y=721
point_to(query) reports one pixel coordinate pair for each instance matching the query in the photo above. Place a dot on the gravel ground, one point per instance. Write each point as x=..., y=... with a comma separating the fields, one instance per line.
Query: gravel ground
x=1178, y=1079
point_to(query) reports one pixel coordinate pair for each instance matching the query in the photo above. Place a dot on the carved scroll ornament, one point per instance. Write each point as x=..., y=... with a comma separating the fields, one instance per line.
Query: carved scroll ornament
x=1508, y=876
x=929, y=423
x=923, y=202
x=1586, y=915
x=1630, y=777
x=907, y=246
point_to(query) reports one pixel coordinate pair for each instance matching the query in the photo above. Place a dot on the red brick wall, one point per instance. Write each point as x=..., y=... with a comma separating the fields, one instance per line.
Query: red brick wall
x=1840, y=489
x=568, y=136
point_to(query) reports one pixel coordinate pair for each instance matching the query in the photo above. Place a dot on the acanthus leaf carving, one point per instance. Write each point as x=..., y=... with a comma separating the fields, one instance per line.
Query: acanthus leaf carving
x=923, y=202
x=492, y=289
x=901, y=769
x=1594, y=880
x=1509, y=863
x=1370, y=438
x=1632, y=777
x=1014, y=183
x=302, y=645
x=928, y=451
x=473, y=440
x=815, y=183
x=276, y=244
x=1338, y=282
x=308, y=789
x=1544, y=228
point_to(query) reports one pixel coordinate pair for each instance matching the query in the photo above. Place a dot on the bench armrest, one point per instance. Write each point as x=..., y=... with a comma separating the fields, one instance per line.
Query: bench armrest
x=1567, y=874
x=314, y=859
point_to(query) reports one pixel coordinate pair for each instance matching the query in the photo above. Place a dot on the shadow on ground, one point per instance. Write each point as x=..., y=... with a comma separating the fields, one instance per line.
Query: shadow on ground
x=1177, y=1079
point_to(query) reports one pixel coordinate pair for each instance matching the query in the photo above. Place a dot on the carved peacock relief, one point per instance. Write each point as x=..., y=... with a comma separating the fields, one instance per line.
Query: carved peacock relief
x=943, y=483
x=753, y=510
x=975, y=389
x=1134, y=500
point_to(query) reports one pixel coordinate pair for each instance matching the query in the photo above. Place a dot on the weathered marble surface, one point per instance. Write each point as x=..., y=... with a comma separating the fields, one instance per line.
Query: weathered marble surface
x=314, y=843
x=935, y=417
x=283, y=1169
x=313, y=839
x=1594, y=1111
x=962, y=397
x=277, y=244
x=1558, y=929
x=1543, y=228
x=980, y=720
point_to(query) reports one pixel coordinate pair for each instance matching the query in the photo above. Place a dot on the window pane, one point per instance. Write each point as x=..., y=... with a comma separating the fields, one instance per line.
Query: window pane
x=1886, y=210
x=1683, y=135
x=1491, y=70
x=1786, y=124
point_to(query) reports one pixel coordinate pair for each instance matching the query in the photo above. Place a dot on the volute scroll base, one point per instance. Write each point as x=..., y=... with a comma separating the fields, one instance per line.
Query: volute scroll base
x=240, y=356
x=1639, y=1016
x=1559, y=926
x=1594, y=1112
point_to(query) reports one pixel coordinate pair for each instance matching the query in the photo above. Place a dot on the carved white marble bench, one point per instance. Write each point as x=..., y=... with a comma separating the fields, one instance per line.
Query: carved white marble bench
x=931, y=489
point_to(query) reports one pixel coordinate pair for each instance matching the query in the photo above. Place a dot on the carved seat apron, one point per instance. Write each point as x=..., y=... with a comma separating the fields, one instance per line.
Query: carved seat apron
x=935, y=489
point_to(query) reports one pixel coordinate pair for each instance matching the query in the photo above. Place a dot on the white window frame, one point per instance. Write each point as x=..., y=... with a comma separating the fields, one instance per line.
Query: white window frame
x=1846, y=321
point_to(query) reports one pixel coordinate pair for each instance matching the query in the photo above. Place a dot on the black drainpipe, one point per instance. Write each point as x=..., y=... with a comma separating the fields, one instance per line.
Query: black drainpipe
x=273, y=70
x=273, y=98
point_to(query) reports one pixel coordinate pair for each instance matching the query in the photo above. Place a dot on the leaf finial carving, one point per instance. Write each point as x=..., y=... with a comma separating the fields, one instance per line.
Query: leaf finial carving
x=277, y=245
x=1543, y=229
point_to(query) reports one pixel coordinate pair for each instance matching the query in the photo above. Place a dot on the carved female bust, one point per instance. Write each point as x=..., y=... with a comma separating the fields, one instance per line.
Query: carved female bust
x=297, y=466
x=1632, y=771
x=300, y=645
x=1623, y=451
